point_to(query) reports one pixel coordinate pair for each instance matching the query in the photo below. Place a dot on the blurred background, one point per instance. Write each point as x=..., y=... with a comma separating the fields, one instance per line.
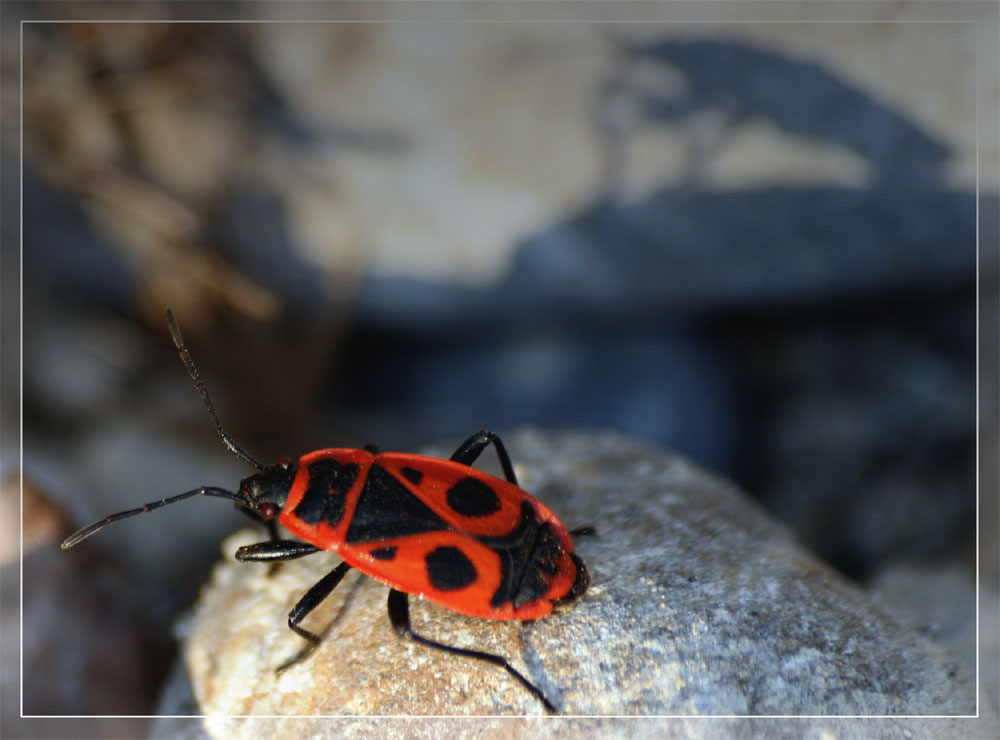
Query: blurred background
x=754, y=244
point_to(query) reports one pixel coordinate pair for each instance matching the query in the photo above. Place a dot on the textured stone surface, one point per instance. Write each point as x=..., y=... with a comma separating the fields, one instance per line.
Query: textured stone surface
x=700, y=605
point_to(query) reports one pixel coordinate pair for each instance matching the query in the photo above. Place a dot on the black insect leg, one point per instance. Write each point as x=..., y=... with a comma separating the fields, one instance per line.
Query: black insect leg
x=313, y=598
x=470, y=450
x=274, y=550
x=272, y=530
x=399, y=616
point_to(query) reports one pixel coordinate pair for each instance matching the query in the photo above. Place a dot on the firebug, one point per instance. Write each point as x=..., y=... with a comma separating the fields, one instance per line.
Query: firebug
x=434, y=528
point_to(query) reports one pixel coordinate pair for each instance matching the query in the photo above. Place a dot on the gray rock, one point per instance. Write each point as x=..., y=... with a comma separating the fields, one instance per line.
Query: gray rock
x=700, y=605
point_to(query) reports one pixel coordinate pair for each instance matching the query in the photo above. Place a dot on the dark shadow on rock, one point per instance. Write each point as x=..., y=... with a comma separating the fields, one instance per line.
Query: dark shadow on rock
x=681, y=254
x=801, y=97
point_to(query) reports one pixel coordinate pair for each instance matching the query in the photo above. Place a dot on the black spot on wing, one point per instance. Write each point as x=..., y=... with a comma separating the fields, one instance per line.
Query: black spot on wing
x=412, y=474
x=448, y=569
x=471, y=497
x=386, y=509
x=329, y=482
x=384, y=553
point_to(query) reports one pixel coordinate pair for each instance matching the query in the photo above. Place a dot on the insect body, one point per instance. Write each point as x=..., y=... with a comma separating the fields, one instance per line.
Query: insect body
x=439, y=529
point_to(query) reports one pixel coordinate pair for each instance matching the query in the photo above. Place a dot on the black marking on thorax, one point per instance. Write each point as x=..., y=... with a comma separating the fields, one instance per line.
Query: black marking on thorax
x=386, y=509
x=329, y=482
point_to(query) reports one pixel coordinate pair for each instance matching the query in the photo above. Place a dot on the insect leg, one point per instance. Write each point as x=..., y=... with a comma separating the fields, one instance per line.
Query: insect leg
x=272, y=532
x=470, y=450
x=313, y=598
x=399, y=616
x=273, y=550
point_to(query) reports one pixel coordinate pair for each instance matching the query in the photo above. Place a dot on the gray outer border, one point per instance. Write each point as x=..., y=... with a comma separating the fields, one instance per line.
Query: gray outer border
x=726, y=11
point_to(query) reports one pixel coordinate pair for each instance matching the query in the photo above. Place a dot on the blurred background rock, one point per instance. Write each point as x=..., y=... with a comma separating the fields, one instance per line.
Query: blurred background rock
x=755, y=244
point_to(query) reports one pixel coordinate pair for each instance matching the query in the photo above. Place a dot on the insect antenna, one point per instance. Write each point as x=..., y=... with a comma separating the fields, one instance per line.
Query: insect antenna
x=84, y=533
x=199, y=384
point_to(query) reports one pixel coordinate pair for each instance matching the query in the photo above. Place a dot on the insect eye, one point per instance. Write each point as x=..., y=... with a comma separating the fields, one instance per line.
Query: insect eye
x=285, y=463
x=268, y=510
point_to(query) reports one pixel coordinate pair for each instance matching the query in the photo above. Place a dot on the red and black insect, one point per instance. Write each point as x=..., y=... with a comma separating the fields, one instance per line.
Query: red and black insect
x=438, y=529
